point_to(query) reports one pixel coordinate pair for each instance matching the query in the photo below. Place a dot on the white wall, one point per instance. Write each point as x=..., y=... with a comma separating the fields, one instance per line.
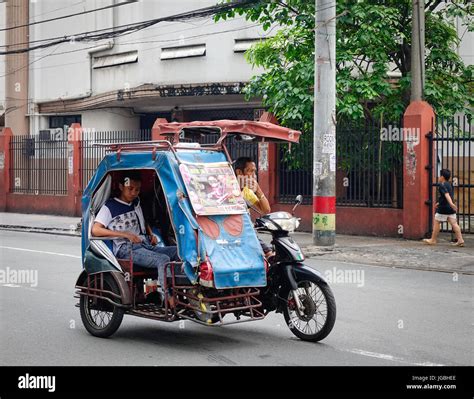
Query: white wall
x=466, y=47
x=52, y=79
x=110, y=119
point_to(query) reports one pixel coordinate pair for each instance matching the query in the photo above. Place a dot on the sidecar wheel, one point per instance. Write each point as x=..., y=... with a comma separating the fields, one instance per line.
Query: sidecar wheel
x=101, y=318
x=320, y=311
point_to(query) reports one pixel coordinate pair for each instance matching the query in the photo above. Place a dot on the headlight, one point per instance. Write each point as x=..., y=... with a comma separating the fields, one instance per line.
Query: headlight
x=269, y=225
x=289, y=225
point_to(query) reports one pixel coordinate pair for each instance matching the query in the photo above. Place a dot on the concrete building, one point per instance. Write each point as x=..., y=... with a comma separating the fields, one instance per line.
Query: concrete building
x=191, y=69
x=182, y=70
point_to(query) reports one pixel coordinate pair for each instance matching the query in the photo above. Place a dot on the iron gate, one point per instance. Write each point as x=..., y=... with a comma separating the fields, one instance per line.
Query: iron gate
x=452, y=147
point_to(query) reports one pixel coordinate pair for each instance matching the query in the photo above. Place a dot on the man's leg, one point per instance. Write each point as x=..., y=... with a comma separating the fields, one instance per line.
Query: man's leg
x=267, y=249
x=434, y=234
x=171, y=252
x=148, y=258
x=436, y=229
x=457, y=230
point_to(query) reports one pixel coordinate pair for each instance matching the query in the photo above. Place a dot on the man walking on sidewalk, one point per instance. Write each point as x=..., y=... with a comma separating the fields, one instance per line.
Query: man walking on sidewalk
x=445, y=210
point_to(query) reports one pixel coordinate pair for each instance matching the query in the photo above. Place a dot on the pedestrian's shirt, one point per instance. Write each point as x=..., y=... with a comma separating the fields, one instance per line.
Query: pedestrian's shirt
x=443, y=205
x=118, y=215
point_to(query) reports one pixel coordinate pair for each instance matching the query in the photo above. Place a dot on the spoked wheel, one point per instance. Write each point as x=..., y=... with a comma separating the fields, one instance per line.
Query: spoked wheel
x=317, y=319
x=100, y=317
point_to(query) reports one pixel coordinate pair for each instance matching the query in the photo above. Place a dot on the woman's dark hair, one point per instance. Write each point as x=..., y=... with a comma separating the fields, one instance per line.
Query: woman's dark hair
x=446, y=173
x=241, y=163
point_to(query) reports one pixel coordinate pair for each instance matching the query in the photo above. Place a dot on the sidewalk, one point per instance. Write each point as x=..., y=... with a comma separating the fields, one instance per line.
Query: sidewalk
x=396, y=252
x=377, y=251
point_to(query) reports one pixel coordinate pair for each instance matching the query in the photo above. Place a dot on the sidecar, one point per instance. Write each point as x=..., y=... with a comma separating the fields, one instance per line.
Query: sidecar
x=191, y=198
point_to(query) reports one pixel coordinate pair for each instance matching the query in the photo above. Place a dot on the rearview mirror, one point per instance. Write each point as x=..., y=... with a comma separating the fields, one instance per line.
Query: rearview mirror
x=298, y=201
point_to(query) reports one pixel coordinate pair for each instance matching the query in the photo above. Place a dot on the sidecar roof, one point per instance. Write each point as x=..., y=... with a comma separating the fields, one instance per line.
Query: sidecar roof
x=261, y=131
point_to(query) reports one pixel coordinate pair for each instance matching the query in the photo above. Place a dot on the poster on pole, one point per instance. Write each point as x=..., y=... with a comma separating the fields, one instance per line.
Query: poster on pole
x=329, y=144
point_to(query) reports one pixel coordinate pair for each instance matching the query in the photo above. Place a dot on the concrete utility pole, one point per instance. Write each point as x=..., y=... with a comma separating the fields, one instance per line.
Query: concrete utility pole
x=418, y=50
x=324, y=161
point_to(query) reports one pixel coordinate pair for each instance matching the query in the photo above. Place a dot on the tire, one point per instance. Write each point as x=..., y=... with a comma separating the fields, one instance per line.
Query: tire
x=295, y=321
x=111, y=315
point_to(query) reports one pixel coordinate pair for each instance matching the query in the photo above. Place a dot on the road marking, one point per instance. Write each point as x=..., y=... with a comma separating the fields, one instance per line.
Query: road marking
x=390, y=357
x=41, y=252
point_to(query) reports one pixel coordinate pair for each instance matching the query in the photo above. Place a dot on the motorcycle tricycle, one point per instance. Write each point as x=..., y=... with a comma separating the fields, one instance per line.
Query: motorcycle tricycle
x=191, y=198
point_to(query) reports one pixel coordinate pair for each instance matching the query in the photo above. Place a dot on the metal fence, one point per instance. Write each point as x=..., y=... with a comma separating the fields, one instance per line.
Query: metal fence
x=295, y=172
x=452, y=143
x=92, y=155
x=369, y=161
x=39, y=164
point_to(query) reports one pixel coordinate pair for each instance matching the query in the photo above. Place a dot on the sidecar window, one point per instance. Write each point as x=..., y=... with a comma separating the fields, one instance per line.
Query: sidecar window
x=152, y=200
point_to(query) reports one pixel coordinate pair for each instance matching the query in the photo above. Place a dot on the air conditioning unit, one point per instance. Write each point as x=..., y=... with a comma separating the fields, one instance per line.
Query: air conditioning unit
x=51, y=134
x=28, y=147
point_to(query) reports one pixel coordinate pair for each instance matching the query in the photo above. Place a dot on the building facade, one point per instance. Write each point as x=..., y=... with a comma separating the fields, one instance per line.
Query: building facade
x=178, y=70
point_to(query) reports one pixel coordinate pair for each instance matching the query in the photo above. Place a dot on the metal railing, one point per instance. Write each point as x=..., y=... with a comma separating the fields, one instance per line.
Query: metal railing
x=452, y=147
x=92, y=155
x=369, y=167
x=39, y=164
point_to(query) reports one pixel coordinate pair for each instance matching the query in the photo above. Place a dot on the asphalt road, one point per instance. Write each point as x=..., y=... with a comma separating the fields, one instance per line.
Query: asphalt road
x=388, y=317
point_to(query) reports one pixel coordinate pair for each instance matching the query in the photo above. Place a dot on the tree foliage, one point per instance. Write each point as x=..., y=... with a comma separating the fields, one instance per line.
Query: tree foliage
x=373, y=39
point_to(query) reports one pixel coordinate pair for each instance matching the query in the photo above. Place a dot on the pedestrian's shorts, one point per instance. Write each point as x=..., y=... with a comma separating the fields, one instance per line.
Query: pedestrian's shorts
x=444, y=218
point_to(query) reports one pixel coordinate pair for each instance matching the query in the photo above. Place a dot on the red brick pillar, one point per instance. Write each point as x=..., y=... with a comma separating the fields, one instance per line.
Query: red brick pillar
x=5, y=164
x=418, y=121
x=74, y=153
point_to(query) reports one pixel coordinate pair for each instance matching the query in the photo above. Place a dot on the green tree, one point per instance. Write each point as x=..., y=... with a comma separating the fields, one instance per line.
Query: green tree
x=373, y=39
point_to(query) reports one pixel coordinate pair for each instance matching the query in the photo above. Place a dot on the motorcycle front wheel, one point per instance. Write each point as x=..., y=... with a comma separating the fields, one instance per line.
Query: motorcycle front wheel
x=317, y=319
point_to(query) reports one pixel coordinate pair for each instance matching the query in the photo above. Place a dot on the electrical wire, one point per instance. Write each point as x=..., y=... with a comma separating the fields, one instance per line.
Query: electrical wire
x=68, y=16
x=134, y=27
x=53, y=53
x=49, y=12
x=124, y=44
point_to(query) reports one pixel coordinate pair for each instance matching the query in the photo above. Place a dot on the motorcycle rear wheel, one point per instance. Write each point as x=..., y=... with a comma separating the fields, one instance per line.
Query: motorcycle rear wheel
x=100, y=317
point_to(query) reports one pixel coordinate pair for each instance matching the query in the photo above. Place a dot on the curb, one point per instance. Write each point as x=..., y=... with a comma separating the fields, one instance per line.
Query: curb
x=310, y=252
x=41, y=230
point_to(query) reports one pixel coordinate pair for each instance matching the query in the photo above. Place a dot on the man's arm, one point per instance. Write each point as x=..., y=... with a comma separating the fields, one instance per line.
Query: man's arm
x=99, y=230
x=450, y=202
x=263, y=205
x=149, y=231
